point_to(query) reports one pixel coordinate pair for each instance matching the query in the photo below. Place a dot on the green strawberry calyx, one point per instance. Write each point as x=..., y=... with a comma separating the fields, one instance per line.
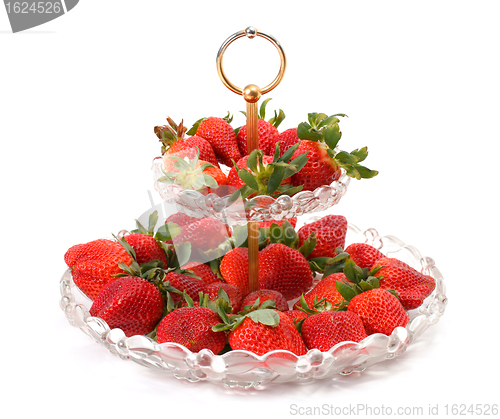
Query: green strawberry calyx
x=163, y=234
x=325, y=129
x=190, y=174
x=264, y=313
x=266, y=179
x=287, y=235
x=361, y=280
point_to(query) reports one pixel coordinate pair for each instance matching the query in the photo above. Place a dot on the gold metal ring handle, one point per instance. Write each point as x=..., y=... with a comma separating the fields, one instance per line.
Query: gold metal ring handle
x=251, y=33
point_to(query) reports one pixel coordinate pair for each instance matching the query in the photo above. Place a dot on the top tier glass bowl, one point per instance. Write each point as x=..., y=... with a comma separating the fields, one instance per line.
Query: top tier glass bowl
x=256, y=209
x=245, y=369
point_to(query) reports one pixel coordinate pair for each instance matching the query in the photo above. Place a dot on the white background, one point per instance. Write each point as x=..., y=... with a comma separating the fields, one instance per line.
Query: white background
x=80, y=96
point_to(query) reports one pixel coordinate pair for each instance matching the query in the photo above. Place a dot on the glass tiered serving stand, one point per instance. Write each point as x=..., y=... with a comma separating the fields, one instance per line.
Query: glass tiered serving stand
x=245, y=369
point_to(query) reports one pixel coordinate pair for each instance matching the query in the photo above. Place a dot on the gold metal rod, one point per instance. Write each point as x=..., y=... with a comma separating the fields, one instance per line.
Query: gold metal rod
x=252, y=126
x=253, y=256
x=252, y=94
x=253, y=227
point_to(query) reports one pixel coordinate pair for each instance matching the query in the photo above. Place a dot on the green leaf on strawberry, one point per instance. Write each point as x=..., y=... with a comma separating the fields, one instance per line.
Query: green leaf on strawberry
x=265, y=176
x=324, y=129
x=265, y=316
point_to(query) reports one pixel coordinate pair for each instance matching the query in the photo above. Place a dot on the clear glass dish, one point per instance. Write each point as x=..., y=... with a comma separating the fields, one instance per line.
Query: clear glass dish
x=256, y=209
x=245, y=369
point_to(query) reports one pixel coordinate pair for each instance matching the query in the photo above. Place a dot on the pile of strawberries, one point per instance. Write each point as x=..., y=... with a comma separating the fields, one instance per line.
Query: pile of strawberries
x=151, y=282
x=156, y=281
x=285, y=163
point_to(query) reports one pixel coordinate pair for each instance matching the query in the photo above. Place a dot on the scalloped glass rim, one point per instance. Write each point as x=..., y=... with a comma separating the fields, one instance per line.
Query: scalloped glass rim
x=256, y=209
x=246, y=369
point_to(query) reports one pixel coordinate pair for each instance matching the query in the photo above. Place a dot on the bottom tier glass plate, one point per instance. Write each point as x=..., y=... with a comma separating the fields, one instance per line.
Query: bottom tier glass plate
x=245, y=369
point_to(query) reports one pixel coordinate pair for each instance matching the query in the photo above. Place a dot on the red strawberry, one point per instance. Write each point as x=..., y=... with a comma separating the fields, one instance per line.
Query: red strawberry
x=284, y=269
x=221, y=136
x=363, y=254
x=203, y=271
x=281, y=268
x=93, y=264
x=204, y=234
x=192, y=328
x=173, y=141
x=129, y=303
x=147, y=245
x=268, y=130
x=218, y=175
x=319, y=170
x=192, y=286
x=268, y=223
x=181, y=219
x=412, y=286
x=379, y=310
x=234, y=293
x=326, y=288
x=259, y=338
x=286, y=139
x=234, y=268
x=324, y=330
x=266, y=295
x=295, y=315
x=330, y=232
x=319, y=137
x=146, y=248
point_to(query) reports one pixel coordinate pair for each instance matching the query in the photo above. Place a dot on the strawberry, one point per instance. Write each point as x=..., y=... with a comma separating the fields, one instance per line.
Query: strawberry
x=203, y=234
x=129, y=303
x=172, y=138
x=259, y=174
x=234, y=293
x=184, y=283
x=412, y=286
x=284, y=269
x=324, y=330
x=286, y=139
x=325, y=290
x=266, y=330
x=281, y=268
x=330, y=233
x=268, y=130
x=180, y=219
x=319, y=170
x=220, y=178
x=146, y=244
x=234, y=268
x=319, y=138
x=203, y=271
x=295, y=315
x=363, y=254
x=94, y=264
x=379, y=309
x=185, y=169
x=265, y=295
x=192, y=328
x=221, y=136
x=146, y=248
x=268, y=223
